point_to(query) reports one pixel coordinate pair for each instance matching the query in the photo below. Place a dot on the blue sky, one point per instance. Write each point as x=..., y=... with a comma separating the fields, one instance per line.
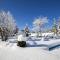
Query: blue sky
x=25, y=11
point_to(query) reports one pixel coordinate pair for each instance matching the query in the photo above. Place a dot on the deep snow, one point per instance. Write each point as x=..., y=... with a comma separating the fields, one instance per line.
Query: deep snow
x=10, y=51
x=28, y=53
x=36, y=50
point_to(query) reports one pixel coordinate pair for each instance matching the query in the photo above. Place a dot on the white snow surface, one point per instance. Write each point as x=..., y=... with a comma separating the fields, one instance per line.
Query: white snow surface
x=28, y=53
x=9, y=51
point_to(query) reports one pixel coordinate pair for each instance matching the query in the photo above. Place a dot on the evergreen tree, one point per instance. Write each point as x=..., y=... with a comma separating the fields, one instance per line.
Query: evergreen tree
x=54, y=26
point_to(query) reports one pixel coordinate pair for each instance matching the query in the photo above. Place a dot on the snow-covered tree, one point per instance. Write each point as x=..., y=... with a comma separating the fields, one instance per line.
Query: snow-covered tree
x=26, y=29
x=54, y=29
x=38, y=23
x=7, y=21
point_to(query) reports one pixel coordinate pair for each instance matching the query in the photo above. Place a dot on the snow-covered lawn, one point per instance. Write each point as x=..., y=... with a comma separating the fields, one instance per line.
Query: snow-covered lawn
x=28, y=53
x=36, y=50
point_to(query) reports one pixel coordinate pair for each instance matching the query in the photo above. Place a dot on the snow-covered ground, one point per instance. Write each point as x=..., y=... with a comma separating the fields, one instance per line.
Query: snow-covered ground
x=28, y=53
x=36, y=50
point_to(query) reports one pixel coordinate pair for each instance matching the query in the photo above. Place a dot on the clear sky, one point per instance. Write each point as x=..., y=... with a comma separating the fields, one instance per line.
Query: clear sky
x=24, y=11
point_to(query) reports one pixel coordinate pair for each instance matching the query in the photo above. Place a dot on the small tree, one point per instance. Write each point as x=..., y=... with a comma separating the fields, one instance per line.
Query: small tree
x=26, y=30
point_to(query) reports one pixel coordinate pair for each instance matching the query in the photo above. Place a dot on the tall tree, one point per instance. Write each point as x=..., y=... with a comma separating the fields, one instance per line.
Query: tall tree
x=38, y=23
x=7, y=21
x=54, y=26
